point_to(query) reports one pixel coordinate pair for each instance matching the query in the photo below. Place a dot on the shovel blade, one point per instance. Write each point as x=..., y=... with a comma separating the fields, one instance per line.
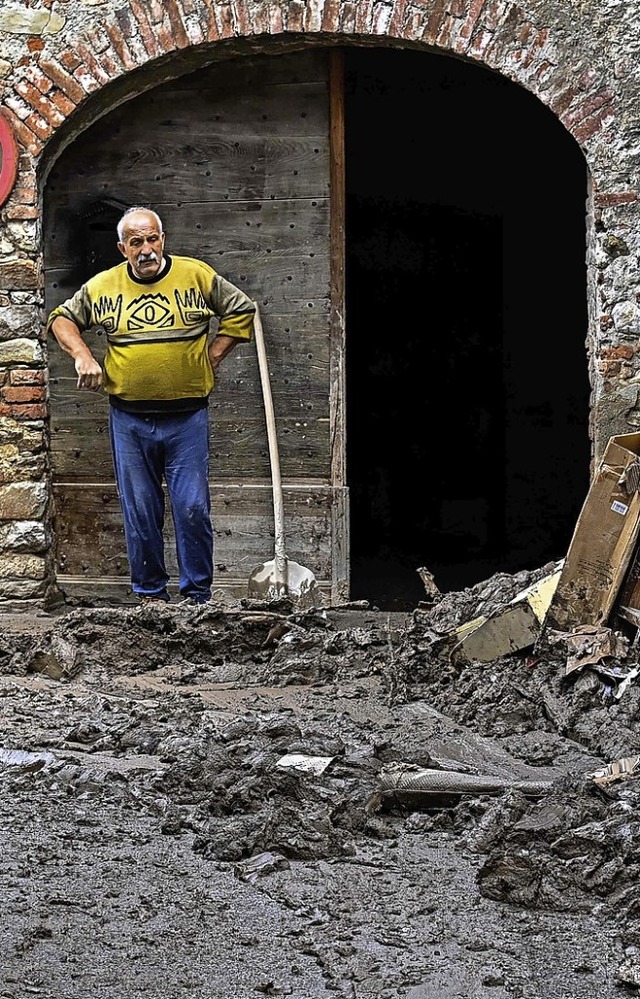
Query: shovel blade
x=268, y=582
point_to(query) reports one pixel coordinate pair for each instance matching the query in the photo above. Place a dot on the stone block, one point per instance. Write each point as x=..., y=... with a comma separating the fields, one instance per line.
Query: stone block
x=22, y=566
x=22, y=589
x=20, y=466
x=23, y=501
x=24, y=536
x=31, y=22
x=18, y=275
x=20, y=351
x=19, y=321
x=26, y=438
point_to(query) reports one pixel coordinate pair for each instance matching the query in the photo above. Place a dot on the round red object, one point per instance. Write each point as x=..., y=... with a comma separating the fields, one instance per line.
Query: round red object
x=8, y=159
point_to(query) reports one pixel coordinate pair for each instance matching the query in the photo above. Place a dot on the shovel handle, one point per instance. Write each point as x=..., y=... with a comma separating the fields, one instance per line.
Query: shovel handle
x=274, y=456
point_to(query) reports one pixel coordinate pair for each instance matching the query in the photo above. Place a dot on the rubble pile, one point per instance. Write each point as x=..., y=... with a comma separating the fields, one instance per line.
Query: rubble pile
x=270, y=745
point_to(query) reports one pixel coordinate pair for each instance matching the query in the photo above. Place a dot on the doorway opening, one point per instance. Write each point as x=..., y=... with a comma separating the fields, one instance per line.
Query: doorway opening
x=467, y=387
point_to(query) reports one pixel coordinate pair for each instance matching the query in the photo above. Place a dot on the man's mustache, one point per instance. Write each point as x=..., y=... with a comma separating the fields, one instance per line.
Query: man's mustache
x=143, y=258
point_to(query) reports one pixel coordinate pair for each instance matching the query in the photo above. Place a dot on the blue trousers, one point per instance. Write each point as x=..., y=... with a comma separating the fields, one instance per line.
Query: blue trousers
x=145, y=450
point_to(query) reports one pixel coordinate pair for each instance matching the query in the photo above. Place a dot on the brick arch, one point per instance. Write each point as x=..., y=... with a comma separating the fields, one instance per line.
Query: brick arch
x=50, y=87
x=59, y=86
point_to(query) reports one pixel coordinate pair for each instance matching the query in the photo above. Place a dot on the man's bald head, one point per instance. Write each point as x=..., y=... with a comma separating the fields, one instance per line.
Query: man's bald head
x=141, y=241
x=130, y=216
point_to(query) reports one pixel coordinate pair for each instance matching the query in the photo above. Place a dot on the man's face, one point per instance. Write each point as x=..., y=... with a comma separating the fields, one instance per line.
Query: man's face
x=142, y=244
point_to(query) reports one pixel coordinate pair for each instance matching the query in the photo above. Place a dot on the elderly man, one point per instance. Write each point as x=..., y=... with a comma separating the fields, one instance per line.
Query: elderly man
x=159, y=369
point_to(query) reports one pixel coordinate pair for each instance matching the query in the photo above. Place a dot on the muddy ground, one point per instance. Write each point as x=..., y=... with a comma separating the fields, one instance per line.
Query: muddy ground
x=208, y=802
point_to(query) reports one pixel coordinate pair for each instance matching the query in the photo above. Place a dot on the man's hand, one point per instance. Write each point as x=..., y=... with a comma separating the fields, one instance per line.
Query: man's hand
x=70, y=339
x=89, y=373
x=219, y=347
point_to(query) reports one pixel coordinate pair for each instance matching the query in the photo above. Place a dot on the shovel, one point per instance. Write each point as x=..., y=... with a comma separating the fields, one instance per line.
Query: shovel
x=280, y=576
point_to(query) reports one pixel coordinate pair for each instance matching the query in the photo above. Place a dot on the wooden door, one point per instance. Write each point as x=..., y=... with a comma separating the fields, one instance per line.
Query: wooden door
x=239, y=160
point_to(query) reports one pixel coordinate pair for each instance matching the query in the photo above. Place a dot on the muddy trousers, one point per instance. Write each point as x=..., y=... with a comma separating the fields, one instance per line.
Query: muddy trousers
x=147, y=449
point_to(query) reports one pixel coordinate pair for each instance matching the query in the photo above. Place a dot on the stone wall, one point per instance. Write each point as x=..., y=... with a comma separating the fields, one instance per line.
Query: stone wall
x=63, y=62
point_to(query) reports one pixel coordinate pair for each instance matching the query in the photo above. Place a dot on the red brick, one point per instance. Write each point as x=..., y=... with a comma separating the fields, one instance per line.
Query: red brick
x=39, y=102
x=27, y=376
x=587, y=129
x=146, y=31
x=35, y=44
x=70, y=60
x=23, y=393
x=86, y=79
x=165, y=38
x=563, y=100
x=35, y=411
x=438, y=12
x=275, y=24
x=177, y=25
x=62, y=102
x=124, y=20
x=26, y=176
x=25, y=196
x=39, y=80
x=491, y=14
x=475, y=11
x=22, y=132
x=225, y=20
x=211, y=24
x=617, y=198
x=247, y=23
x=589, y=106
x=18, y=106
x=397, y=17
x=63, y=80
x=120, y=46
x=38, y=125
x=96, y=68
x=625, y=351
x=19, y=213
x=157, y=11
x=97, y=38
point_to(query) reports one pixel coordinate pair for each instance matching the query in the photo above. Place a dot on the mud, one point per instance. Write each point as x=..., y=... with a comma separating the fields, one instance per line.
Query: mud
x=193, y=804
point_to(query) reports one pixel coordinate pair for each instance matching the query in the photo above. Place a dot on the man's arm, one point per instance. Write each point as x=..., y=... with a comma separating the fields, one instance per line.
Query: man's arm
x=219, y=347
x=70, y=339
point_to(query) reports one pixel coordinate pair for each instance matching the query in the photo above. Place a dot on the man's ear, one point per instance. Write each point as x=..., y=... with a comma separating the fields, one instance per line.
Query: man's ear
x=121, y=248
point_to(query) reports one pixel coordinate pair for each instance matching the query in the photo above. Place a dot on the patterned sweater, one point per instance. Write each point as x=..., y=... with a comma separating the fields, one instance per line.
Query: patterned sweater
x=157, y=331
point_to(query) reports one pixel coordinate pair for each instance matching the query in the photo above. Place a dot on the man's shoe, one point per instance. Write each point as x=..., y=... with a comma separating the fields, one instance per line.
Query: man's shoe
x=153, y=598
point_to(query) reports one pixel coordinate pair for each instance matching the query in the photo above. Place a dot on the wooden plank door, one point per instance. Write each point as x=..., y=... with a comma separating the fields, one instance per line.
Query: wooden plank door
x=238, y=161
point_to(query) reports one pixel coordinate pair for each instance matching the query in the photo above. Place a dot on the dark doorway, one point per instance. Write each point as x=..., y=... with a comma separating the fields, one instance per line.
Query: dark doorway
x=467, y=388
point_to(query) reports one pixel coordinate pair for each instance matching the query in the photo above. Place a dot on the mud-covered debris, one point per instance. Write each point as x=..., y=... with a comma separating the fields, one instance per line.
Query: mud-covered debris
x=55, y=655
x=589, y=645
x=432, y=592
x=575, y=847
x=406, y=782
x=624, y=769
x=508, y=629
x=263, y=863
x=165, y=797
x=629, y=971
x=25, y=761
x=307, y=764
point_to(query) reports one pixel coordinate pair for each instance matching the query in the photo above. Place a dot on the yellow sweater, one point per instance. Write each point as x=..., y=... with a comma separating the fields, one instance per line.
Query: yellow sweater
x=157, y=331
